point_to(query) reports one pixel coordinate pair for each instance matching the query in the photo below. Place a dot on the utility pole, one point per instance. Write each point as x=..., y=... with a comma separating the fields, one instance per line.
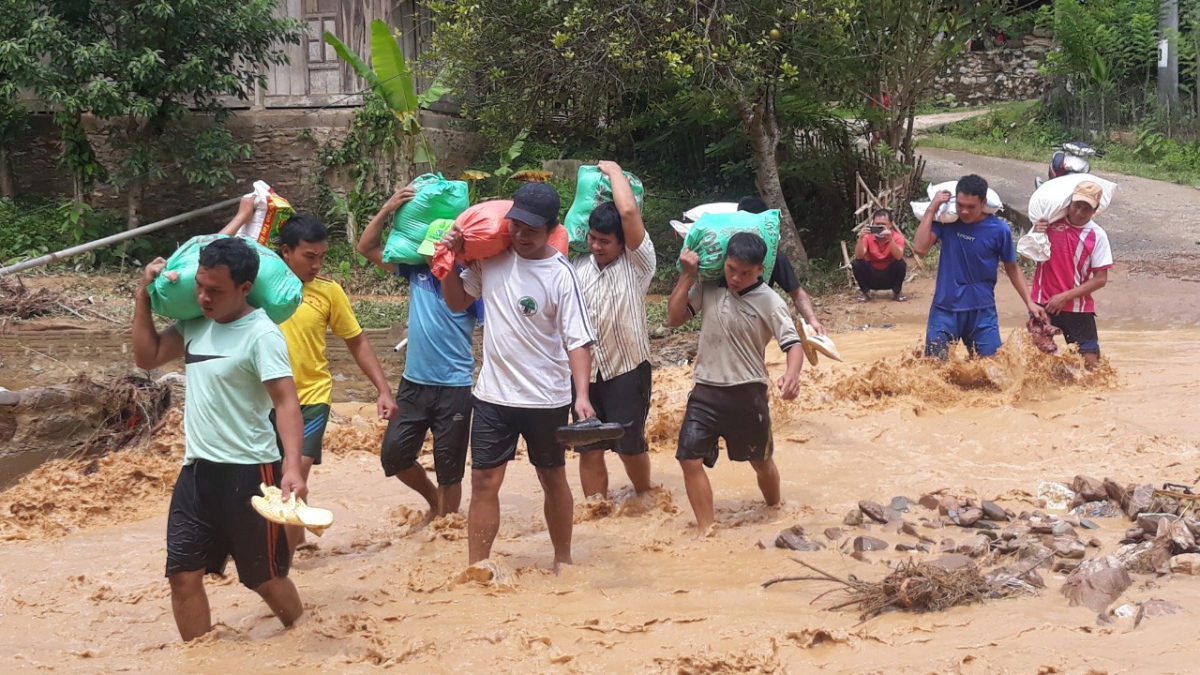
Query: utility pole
x=1168, y=55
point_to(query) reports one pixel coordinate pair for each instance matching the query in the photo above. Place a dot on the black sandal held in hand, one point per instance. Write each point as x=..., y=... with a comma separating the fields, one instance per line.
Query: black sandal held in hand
x=588, y=431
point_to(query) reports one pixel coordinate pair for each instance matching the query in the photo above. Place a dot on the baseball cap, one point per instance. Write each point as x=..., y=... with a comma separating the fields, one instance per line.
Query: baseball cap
x=437, y=230
x=535, y=204
x=1088, y=192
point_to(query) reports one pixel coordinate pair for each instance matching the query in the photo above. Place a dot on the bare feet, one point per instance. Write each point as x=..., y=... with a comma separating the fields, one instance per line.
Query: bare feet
x=705, y=532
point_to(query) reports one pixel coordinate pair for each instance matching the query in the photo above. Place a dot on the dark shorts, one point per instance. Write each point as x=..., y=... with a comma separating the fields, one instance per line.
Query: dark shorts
x=739, y=414
x=495, y=429
x=624, y=399
x=978, y=329
x=446, y=411
x=211, y=519
x=316, y=418
x=1079, y=328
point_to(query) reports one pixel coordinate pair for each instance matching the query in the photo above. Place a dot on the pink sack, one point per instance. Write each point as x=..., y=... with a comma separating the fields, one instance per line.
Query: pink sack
x=485, y=234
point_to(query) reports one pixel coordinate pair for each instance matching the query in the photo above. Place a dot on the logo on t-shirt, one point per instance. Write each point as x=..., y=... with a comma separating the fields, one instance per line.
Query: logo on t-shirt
x=527, y=305
x=190, y=358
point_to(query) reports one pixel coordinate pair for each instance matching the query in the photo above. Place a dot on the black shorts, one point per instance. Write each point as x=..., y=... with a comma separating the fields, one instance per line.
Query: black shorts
x=1079, y=328
x=740, y=414
x=495, y=429
x=625, y=399
x=211, y=519
x=446, y=411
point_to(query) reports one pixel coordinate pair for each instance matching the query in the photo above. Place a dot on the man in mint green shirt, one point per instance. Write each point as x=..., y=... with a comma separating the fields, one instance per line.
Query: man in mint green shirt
x=237, y=370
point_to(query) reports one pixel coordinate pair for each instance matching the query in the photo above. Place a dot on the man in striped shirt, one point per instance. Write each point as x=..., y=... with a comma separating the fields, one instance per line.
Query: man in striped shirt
x=1080, y=258
x=616, y=278
x=536, y=346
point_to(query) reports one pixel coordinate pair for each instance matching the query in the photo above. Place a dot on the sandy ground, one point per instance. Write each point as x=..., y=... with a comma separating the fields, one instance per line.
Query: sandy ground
x=82, y=547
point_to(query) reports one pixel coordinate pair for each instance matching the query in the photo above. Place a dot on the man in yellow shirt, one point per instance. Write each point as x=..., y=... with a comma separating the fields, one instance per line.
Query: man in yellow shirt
x=303, y=245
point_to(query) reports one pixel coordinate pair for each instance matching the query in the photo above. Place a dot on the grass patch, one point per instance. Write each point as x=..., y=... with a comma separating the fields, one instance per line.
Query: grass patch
x=1020, y=131
x=656, y=315
x=380, y=313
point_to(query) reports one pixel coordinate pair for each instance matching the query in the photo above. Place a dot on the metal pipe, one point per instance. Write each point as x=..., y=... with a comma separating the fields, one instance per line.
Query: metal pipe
x=115, y=238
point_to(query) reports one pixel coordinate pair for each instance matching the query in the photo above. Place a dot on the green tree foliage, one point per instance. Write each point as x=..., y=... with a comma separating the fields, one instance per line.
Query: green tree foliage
x=592, y=63
x=18, y=63
x=139, y=66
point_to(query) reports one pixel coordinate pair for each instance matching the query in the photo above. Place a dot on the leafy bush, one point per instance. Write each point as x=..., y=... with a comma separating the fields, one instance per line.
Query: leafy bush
x=35, y=227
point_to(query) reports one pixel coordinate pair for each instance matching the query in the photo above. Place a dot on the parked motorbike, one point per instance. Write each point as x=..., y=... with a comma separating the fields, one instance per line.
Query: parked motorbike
x=1070, y=157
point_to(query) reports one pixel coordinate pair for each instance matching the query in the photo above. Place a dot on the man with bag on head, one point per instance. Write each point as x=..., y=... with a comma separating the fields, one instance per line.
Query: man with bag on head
x=783, y=276
x=1080, y=258
x=973, y=248
x=739, y=315
x=303, y=243
x=434, y=393
x=616, y=277
x=237, y=370
x=537, y=344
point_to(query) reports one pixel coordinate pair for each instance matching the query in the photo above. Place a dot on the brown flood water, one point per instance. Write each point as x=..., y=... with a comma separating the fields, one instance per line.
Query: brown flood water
x=643, y=597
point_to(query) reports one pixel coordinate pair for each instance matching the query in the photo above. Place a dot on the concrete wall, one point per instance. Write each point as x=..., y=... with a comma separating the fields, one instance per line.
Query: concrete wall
x=996, y=76
x=284, y=146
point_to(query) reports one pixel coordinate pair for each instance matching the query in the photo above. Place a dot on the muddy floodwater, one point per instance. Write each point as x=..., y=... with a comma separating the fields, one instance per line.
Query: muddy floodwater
x=82, y=589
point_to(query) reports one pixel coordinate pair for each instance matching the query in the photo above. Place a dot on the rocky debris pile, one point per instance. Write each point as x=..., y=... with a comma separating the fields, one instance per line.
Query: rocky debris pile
x=18, y=302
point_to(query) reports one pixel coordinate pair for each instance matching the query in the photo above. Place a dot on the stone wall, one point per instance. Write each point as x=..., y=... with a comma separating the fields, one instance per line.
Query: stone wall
x=284, y=146
x=996, y=76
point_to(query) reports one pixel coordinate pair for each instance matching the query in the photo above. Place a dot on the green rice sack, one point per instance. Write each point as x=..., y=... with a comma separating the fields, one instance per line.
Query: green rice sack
x=710, y=235
x=276, y=290
x=436, y=198
x=592, y=188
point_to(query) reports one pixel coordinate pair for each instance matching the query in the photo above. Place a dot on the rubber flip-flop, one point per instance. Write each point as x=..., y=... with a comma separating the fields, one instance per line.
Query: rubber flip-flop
x=586, y=432
x=815, y=344
x=292, y=512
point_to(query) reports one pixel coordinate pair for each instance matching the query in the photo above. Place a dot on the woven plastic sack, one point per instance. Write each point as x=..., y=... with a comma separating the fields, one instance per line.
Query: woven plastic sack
x=709, y=237
x=948, y=213
x=276, y=290
x=436, y=198
x=270, y=213
x=1050, y=201
x=592, y=188
x=485, y=234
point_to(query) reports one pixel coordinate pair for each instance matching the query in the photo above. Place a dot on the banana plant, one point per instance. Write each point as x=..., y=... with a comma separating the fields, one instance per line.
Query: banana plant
x=392, y=80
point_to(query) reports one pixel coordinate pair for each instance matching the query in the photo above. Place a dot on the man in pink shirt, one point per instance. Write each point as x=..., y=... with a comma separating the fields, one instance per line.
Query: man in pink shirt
x=1078, y=266
x=879, y=258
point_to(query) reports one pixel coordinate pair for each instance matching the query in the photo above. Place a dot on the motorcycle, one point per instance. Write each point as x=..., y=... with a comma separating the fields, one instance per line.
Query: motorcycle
x=1070, y=158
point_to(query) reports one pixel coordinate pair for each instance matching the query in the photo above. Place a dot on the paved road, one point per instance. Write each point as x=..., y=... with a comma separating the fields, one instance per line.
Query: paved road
x=1148, y=218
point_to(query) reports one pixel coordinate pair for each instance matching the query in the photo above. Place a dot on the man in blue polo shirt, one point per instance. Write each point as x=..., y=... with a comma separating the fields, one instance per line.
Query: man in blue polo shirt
x=973, y=248
x=435, y=390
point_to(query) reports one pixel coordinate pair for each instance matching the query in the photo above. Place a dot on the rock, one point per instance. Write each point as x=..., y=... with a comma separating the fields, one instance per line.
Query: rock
x=1089, y=489
x=948, y=504
x=1187, y=563
x=1140, y=501
x=1097, y=583
x=894, y=526
x=1103, y=509
x=1087, y=524
x=970, y=516
x=929, y=501
x=901, y=504
x=864, y=543
x=1152, y=522
x=905, y=547
x=1124, y=612
x=1068, y=547
x=1133, y=534
x=947, y=545
x=1182, y=540
x=1062, y=528
x=1054, y=496
x=833, y=533
x=793, y=539
x=1155, y=607
x=853, y=517
x=975, y=547
x=1064, y=565
x=873, y=511
x=1094, y=543
x=950, y=562
x=1116, y=492
x=1035, y=551
x=993, y=511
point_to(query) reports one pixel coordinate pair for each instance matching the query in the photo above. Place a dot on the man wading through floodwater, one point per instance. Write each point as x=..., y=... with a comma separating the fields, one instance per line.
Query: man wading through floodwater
x=237, y=370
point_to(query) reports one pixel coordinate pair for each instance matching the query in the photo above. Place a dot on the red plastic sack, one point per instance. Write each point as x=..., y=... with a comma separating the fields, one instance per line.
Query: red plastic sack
x=485, y=234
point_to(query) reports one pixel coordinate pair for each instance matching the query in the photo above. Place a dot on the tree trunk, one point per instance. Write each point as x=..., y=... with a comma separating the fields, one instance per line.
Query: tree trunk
x=134, y=203
x=763, y=130
x=6, y=181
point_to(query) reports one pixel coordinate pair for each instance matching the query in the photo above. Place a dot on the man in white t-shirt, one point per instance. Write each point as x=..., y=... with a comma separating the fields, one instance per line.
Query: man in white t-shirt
x=537, y=343
x=616, y=277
